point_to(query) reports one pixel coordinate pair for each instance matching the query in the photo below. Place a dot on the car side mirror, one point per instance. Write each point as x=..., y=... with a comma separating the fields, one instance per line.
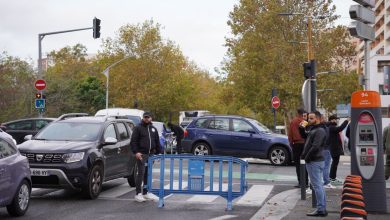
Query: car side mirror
x=28, y=137
x=110, y=141
x=252, y=131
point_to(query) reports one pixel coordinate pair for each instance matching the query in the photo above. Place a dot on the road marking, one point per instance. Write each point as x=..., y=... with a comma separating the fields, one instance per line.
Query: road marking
x=208, y=198
x=256, y=195
x=116, y=191
x=184, y=185
x=223, y=217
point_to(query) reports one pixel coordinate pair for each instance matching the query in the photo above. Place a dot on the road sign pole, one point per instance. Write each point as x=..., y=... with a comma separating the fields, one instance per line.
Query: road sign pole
x=273, y=109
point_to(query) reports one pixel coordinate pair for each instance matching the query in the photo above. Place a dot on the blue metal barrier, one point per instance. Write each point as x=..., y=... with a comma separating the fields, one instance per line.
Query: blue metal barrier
x=195, y=167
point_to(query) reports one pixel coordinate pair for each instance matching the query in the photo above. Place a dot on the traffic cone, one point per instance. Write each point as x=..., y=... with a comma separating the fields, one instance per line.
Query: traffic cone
x=353, y=212
x=352, y=191
x=353, y=204
x=353, y=185
x=352, y=196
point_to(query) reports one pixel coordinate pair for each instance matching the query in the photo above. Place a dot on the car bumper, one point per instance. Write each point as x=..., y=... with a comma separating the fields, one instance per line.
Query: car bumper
x=72, y=176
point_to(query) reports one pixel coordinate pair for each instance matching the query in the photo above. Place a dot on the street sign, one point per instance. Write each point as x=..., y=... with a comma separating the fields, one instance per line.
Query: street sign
x=40, y=103
x=40, y=84
x=275, y=102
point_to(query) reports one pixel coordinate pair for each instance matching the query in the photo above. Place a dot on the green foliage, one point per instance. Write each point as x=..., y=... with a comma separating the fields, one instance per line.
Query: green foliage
x=260, y=56
x=91, y=94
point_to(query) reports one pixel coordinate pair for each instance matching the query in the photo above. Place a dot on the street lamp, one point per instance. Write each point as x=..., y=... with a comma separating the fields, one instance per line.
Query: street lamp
x=106, y=72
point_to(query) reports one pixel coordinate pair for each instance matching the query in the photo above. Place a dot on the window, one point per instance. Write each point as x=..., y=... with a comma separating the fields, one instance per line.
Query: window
x=219, y=124
x=241, y=126
x=123, y=135
x=21, y=125
x=6, y=149
x=39, y=124
x=201, y=123
x=110, y=132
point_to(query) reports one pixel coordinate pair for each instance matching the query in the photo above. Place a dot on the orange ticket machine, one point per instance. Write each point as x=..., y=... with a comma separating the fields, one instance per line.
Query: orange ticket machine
x=367, y=148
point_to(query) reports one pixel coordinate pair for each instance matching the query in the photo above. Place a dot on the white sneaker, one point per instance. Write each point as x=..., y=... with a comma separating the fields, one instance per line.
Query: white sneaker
x=139, y=198
x=150, y=197
x=329, y=186
x=308, y=191
x=336, y=182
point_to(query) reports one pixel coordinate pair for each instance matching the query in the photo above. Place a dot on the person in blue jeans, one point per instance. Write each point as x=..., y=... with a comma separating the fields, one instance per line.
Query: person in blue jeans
x=327, y=157
x=313, y=156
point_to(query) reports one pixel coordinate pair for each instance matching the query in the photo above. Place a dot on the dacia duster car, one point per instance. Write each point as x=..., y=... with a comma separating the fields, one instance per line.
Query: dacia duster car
x=81, y=153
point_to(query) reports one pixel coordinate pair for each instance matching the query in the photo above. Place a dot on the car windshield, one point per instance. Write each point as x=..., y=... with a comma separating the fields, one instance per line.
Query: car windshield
x=70, y=131
x=135, y=119
x=259, y=126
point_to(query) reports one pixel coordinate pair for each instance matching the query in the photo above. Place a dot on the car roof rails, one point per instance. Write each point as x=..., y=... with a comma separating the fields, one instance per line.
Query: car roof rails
x=71, y=115
x=110, y=117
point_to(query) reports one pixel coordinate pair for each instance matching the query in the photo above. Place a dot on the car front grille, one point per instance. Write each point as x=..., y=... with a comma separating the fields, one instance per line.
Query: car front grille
x=43, y=157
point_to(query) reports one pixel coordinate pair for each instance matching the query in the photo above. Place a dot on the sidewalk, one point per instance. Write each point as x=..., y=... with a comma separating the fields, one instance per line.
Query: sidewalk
x=288, y=205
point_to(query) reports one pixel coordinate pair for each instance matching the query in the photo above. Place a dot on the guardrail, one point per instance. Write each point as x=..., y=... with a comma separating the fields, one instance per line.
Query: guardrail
x=194, y=181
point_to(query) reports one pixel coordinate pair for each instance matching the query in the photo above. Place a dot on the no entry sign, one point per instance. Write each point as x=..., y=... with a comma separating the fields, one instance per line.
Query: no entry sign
x=40, y=84
x=275, y=102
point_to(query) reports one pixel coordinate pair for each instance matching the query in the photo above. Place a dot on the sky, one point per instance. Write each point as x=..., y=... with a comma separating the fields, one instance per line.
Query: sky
x=199, y=27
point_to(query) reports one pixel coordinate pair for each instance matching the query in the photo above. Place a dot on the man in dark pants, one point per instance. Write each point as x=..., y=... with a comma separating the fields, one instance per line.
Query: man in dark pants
x=179, y=133
x=336, y=146
x=144, y=142
x=313, y=156
x=297, y=143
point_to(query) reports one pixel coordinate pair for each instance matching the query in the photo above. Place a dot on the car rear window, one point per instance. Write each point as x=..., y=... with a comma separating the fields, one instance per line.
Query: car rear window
x=219, y=124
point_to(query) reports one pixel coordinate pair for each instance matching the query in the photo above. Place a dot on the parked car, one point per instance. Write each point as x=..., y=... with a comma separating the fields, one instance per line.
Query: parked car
x=133, y=114
x=15, y=180
x=18, y=129
x=81, y=153
x=6, y=134
x=235, y=136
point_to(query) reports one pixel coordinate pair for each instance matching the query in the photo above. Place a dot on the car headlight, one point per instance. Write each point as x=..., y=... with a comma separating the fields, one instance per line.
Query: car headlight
x=72, y=157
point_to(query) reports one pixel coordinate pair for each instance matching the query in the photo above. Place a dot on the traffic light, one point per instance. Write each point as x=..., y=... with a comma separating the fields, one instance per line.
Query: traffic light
x=38, y=95
x=96, y=28
x=309, y=69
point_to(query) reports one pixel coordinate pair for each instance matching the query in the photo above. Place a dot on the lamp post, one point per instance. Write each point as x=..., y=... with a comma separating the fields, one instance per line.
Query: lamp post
x=106, y=72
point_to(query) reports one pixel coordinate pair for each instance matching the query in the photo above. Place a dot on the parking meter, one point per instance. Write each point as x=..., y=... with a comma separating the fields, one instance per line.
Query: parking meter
x=367, y=148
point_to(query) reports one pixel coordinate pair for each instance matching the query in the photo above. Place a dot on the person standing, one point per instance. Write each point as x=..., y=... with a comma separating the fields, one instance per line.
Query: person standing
x=327, y=158
x=179, y=133
x=297, y=143
x=313, y=156
x=144, y=142
x=336, y=146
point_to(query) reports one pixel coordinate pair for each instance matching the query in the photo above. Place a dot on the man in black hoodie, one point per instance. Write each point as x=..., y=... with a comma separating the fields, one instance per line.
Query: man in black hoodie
x=313, y=156
x=144, y=142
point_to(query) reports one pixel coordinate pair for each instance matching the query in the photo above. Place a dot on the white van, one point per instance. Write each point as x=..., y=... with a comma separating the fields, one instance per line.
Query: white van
x=186, y=117
x=133, y=114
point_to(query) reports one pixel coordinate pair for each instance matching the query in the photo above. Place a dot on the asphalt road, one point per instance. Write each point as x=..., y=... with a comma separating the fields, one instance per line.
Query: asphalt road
x=117, y=199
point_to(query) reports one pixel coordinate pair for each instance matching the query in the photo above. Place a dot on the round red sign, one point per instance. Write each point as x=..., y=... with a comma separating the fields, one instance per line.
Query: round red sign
x=275, y=102
x=40, y=84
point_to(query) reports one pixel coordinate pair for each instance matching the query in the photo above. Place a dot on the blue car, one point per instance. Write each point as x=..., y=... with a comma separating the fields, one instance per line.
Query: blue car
x=235, y=136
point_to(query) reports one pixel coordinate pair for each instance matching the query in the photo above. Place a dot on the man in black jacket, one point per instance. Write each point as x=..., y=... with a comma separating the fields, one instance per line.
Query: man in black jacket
x=313, y=156
x=144, y=142
x=179, y=133
x=336, y=146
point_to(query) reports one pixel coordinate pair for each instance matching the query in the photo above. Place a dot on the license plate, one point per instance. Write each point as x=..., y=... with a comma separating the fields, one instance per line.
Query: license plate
x=39, y=172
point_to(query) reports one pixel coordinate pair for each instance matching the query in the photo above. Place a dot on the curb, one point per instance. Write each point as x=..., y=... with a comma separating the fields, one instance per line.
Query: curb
x=271, y=209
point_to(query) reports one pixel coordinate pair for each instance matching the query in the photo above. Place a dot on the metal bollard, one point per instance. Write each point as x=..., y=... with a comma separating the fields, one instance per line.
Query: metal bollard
x=303, y=178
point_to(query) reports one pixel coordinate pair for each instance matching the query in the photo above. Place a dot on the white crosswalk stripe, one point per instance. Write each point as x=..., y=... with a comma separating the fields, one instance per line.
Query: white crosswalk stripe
x=116, y=191
x=255, y=196
x=208, y=198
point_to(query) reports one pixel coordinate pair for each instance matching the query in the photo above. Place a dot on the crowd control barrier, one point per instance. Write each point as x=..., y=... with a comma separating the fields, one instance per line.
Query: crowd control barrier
x=188, y=174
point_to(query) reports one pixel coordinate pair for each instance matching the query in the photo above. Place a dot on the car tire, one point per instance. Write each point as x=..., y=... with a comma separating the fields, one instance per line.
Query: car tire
x=21, y=200
x=133, y=176
x=92, y=188
x=279, y=156
x=201, y=149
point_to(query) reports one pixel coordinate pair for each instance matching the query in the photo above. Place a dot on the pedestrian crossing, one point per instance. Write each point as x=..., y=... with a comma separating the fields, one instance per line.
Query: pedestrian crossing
x=255, y=196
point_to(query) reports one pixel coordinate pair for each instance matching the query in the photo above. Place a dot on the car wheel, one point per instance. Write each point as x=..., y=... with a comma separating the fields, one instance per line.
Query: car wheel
x=94, y=184
x=21, y=200
x=279, y=156
x=133, y=176
x=201, y=148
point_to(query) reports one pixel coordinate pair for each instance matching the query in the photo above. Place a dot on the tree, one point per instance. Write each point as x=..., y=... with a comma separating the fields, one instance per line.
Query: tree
x=17, y=89
x=260, y=56
x=90, y=93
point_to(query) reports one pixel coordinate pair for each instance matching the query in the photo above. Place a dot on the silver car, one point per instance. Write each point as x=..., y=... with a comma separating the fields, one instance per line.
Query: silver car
x=15, y=179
